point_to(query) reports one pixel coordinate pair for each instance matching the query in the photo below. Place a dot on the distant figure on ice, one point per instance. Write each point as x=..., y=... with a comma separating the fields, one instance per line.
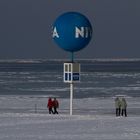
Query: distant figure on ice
x=50, y=106
x=55, y=105
x=118, y=106
x=123, y=107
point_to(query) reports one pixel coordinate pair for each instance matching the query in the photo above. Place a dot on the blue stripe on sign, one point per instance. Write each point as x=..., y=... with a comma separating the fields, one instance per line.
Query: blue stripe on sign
x=66, y=76
x=69, y=76
x=76, y=76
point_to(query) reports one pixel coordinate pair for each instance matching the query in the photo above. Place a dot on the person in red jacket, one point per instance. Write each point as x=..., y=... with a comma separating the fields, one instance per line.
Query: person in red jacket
x=50, y=106
x=55, y=105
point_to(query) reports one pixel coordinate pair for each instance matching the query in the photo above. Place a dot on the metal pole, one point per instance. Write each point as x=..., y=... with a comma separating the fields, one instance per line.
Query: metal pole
x=71, y=97
x=72, y=57
x=71, y=86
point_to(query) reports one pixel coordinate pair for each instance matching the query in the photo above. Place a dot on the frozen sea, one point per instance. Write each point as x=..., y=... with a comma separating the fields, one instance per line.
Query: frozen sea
x=99, y=78
x=26, y=85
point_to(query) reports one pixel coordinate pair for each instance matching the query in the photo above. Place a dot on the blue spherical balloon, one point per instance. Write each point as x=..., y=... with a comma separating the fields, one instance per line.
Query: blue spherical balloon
x=72, y=31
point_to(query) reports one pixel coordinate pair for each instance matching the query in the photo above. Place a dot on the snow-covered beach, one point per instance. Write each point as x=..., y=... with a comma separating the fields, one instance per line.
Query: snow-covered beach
x=93, y=119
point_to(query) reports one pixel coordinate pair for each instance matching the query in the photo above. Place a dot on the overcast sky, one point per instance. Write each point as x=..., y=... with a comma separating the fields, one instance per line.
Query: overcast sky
x=25, y=28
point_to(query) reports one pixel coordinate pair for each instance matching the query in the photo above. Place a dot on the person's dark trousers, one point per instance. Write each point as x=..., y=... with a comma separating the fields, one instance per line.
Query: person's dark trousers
x=124, y=112
x=50, y=111
x=55, y=110
x=118, y=111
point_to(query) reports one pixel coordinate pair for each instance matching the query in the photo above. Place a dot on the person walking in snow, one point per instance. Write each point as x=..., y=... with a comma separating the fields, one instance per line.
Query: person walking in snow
x=55, y=105
x=50, y=106
x=118, y=106
x=123, y=107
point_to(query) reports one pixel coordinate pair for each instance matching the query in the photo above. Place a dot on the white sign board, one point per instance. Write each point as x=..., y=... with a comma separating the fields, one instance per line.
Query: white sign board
x=71, y=72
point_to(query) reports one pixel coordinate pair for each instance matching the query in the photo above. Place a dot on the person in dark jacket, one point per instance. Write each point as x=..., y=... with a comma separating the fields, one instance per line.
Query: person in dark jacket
x=123, y=107
x=50, y=106
x=118, y=106
x=55, y=105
